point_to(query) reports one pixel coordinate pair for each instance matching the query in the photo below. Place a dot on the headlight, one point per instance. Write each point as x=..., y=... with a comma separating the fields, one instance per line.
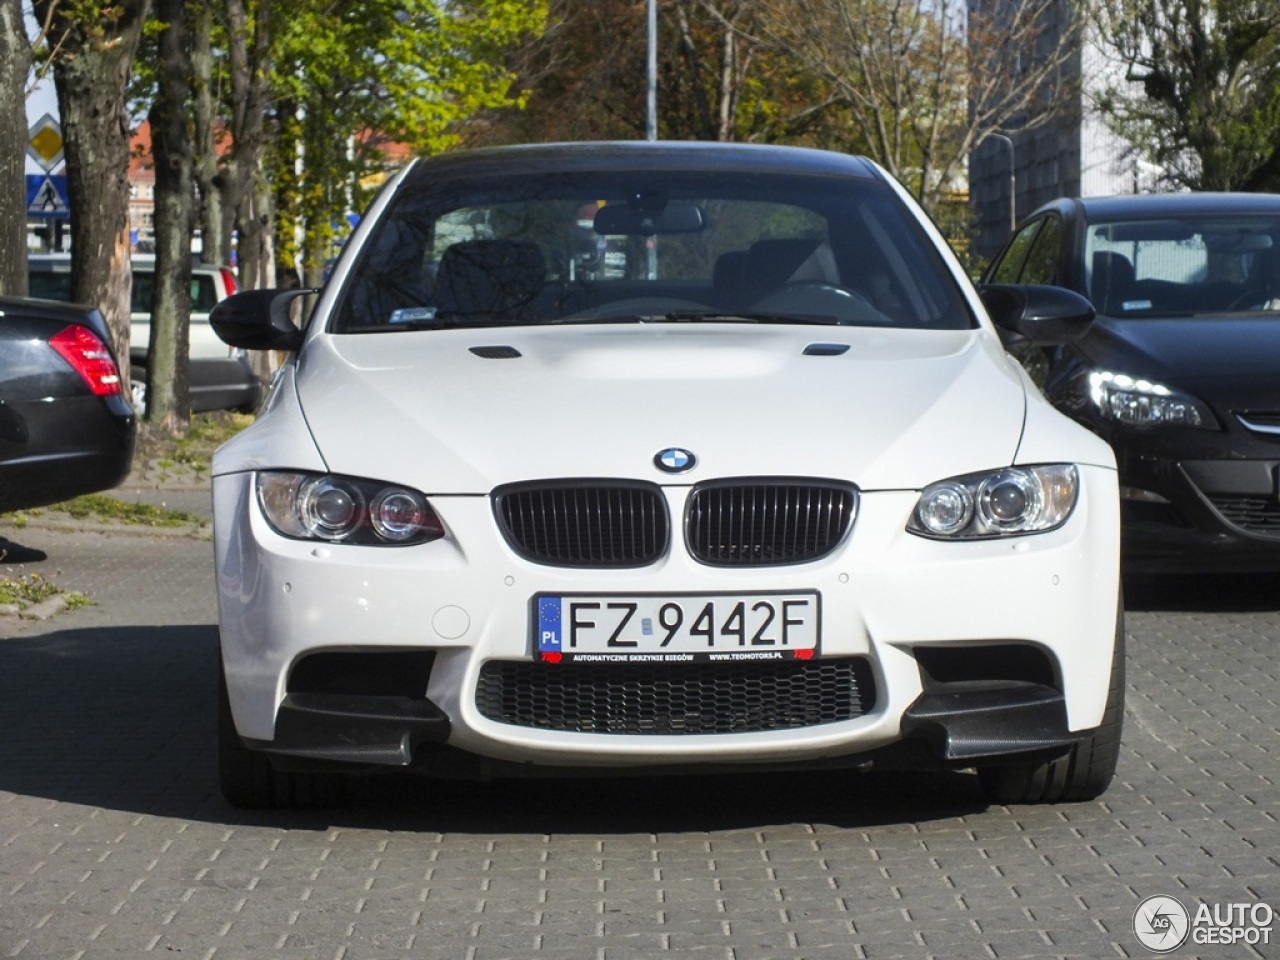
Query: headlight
x=1007, y=502
x=309, y=506
x=1142, y=403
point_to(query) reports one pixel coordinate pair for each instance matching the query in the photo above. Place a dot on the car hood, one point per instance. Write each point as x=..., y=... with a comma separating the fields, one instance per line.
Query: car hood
x=463, y=411
x=1194, y=353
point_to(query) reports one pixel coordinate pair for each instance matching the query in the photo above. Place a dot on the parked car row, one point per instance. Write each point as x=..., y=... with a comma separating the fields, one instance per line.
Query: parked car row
x=220, y=377
x=650, y=458
x=1179, y=371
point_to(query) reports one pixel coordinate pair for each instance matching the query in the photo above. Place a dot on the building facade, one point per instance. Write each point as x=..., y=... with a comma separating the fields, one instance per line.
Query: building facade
x=1072, y=155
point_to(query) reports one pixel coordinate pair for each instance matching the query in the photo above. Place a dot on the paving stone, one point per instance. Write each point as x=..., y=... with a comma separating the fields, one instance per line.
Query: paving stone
x=114, y=842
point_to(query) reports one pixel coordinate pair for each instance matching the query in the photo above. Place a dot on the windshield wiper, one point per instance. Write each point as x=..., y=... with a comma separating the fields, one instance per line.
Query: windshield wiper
x=708, y=316
x=694, y=316
x=604, y=318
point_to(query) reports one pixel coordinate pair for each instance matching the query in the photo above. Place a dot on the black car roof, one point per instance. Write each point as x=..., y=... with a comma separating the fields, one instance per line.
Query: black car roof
x=643, y=155
x=1137, y=206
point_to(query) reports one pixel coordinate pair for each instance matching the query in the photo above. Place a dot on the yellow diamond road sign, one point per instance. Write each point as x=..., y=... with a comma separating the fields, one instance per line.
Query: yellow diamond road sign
x=45, y=145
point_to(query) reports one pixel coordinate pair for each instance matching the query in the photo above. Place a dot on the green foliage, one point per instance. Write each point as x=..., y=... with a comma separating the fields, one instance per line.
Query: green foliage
x=1199, y=94
x=352, y=79
x=94, y=23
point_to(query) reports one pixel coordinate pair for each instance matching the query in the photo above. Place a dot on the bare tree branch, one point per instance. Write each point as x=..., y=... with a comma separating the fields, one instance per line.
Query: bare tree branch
x=925, y=81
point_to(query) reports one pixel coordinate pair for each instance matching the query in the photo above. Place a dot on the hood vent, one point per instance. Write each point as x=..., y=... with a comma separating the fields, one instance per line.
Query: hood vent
x=826, y=349
x=497, y=352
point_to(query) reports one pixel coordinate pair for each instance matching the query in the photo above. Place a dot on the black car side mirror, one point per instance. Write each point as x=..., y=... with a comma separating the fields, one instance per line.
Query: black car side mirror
x=1042, y=315
x=258, y=320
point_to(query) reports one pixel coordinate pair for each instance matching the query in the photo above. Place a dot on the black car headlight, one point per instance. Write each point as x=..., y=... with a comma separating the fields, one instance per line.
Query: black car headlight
x=1011, y=501
x=339, y=509
x=1144, y=403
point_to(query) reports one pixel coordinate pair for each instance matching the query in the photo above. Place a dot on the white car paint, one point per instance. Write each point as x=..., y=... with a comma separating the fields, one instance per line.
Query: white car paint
x=899, y=410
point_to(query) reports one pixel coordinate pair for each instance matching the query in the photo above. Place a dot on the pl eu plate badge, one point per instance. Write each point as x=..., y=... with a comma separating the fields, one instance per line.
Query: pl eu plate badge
x=549, y=625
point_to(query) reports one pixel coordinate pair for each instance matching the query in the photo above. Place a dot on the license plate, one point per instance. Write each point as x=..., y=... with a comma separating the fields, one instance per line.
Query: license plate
x=676, y=627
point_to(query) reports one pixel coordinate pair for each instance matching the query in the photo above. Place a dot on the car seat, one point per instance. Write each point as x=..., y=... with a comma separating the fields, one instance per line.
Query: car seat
x=1112, y=282
x=487, y=280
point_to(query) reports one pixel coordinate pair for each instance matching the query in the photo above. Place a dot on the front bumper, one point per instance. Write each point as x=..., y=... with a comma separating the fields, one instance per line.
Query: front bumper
x=53, y=451
x=967, y=725
x=1212, y=515
x=465, y=601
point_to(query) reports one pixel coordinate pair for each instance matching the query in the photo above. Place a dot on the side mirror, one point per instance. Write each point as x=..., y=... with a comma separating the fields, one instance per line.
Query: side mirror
x=258, y=320
x=1045, y=316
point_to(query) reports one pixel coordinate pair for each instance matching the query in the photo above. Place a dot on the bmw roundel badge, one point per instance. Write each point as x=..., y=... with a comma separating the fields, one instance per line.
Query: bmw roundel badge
x=674, y=460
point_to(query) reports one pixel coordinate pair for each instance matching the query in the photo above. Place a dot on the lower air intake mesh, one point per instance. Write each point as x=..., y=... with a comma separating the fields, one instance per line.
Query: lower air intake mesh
x=675, y=698
x=1259, y=515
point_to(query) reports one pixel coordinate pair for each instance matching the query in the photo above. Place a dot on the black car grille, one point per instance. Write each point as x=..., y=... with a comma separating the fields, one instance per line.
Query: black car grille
x=584, y=524
x=1259, y=515
x=675, y=698
x=1265, y=422
x=767, y=522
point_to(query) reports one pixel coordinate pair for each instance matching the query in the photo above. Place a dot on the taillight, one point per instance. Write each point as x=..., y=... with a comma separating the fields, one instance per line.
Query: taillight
x=89, y=357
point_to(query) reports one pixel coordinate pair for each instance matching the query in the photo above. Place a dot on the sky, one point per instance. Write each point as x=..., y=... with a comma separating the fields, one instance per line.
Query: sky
x=42, y=100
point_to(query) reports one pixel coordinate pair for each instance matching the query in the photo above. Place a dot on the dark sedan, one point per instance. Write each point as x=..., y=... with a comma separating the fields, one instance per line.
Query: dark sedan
x=65, y=427
x=1181, y=369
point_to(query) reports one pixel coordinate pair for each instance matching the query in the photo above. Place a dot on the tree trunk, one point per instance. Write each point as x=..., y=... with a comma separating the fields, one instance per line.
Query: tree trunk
x=15, y=59
x=91, y=75
x=168, y=393
x=214, y=241
x=250, y=62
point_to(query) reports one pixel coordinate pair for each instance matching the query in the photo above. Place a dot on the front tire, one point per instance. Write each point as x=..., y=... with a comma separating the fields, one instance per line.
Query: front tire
x=1085, y=771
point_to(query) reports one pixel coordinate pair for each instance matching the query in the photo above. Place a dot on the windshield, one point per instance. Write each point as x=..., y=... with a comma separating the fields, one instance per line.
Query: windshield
x=1184, y=266
x=670, y=247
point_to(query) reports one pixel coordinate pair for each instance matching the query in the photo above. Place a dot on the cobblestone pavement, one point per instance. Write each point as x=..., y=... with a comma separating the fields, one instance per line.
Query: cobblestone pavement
x=114, y=841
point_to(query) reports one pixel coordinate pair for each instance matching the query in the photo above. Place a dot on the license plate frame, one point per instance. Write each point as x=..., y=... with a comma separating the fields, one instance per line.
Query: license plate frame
x=697, y=626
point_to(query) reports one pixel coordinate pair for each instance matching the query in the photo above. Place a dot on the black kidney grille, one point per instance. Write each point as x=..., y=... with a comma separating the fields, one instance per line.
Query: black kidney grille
x=767, y=523
x=1259, y=515
x=674, y=699
x=584, y=525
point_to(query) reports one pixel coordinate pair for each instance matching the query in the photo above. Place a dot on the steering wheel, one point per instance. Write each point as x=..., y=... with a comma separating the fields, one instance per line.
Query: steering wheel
x=824, y=285
x=820, y=298
x=1252, y=297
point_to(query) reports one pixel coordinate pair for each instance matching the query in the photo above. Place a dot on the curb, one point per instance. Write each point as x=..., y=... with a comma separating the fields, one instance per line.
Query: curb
x=44, y=610
x=47, y=608
x=201, y=531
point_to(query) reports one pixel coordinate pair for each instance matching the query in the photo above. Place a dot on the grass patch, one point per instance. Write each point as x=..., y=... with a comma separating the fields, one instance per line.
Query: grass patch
x=104, y=509
x=207, y=433
x=194, y=450
x=100, y=508
x=29, y=590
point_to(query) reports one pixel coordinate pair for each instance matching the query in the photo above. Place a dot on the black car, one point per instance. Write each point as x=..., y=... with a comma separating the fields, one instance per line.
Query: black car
x=1180, y=371
x=65, y=427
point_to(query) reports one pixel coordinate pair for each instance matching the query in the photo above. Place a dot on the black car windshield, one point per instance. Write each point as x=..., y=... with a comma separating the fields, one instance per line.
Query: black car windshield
x=1189, y=265
x=651, y=248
